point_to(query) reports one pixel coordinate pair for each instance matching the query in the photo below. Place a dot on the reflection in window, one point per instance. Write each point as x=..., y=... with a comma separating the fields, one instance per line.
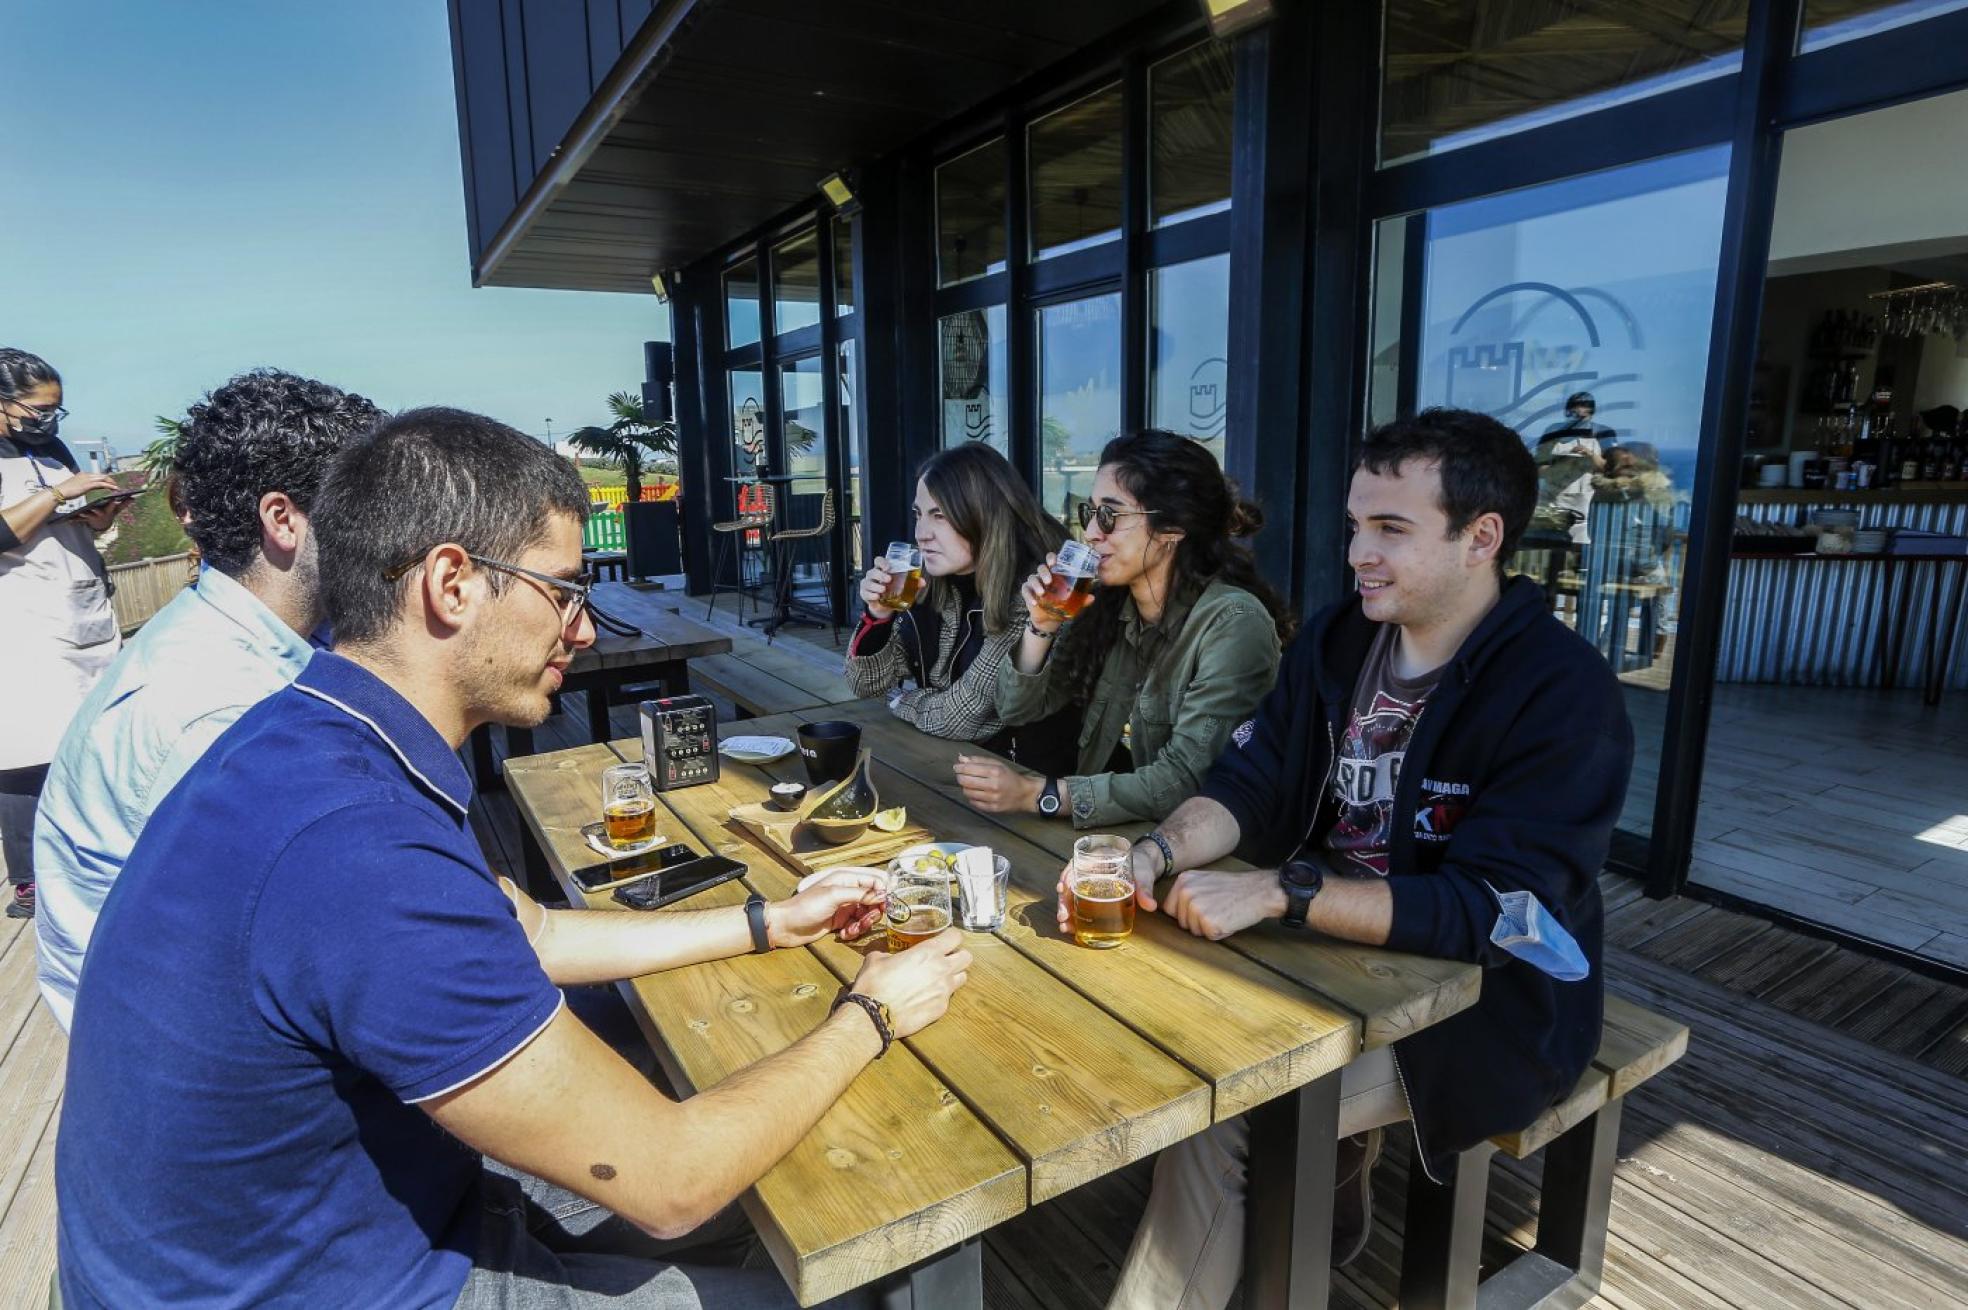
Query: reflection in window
x=748, y=445
x=1188, y=349
x=1828, y=22
x=844, y=264
x=741, y=304
x=1602, y=285
x=971, y=350
x=796, y=283
x=1461, y=71
x=1079, y=395
x=1074, y=157
x=801, y=395
x=970, y=215
x=850, y=436
x=1189, y=116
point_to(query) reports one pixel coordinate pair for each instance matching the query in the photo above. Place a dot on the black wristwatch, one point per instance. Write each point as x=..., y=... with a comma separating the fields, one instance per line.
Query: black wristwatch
x=755, y=918
x=1301, y=880
x=1049, y=798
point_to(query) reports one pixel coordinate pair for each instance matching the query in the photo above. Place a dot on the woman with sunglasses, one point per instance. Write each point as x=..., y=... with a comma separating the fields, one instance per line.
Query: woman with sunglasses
x=60, y=631
x=980, y=530
x=1178, y=645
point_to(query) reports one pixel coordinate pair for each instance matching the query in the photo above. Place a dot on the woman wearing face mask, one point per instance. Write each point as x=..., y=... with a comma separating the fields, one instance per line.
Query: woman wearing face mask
x=60, y=631
x=1179, y=644
x=981, y=531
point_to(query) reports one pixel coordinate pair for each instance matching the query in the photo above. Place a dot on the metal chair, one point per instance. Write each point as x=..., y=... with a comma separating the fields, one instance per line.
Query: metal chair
x=755, y=508
x=787, y=545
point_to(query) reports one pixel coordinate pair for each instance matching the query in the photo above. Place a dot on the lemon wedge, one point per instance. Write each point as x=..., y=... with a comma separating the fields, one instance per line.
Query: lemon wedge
x=892, y=820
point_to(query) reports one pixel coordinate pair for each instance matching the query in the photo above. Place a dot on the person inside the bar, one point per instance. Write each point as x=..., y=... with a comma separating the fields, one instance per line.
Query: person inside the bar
x=1567, y=456
x=1438, y=771
x=981, y=532
x=251, y=458
x=1178, y=645
x=321, y=1055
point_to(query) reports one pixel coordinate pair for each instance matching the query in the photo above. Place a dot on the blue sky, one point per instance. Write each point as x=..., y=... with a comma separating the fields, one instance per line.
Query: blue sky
x=197, y=187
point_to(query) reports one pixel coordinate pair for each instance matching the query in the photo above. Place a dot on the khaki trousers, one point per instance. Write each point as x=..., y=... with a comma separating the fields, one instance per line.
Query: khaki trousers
x=1189, y=1251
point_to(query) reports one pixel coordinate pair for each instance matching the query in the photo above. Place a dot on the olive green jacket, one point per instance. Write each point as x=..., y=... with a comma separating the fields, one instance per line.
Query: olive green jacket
x=1179, y=688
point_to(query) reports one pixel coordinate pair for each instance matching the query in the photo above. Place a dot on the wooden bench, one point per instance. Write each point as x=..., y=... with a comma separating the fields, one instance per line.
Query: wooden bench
x=1440, y=1259
x=761, y=681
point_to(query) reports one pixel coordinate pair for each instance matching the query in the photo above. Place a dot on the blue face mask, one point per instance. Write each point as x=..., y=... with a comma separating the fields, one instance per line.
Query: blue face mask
x=1527, y=931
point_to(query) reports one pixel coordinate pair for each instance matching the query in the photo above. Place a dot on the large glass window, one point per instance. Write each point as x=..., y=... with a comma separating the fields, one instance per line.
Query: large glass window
x=1079, y=395
x=1460, y=71
x=1578, y=315
x=796, y=283
x=747, y=390
x=1189, y=348
x=1828, y=22
x=971, y=351
x=1074, y=159
x=741, y=304
x=1189, y=117
x=801, y=395
x=970, y=215
x=844, y=264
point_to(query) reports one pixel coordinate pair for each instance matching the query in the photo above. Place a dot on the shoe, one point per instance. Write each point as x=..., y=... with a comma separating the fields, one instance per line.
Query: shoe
x=22, y=906
x=1353, y=1196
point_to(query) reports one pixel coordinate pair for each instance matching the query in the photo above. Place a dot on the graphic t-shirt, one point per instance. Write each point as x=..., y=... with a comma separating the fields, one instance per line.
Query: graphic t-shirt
x=1385, y=707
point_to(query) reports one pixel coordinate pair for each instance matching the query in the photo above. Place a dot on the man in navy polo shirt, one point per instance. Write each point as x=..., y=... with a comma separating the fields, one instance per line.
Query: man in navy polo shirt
x=313, y=1016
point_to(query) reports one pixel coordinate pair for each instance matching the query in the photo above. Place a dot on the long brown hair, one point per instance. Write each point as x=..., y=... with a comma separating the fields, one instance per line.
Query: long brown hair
x=1179, y=482
x=993, y=509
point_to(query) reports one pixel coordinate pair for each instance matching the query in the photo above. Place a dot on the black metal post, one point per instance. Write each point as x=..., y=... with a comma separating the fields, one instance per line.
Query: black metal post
x=953, y=1280
x=1756, y=150
x=1294, y=1143
x=1442, y=1249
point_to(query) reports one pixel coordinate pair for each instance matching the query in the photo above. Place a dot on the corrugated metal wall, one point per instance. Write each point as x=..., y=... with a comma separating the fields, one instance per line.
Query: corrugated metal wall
x=1815, y=623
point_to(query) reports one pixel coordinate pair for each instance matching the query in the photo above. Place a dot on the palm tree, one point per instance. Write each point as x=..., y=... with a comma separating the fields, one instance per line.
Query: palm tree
x=629, y=442
x=160, y=458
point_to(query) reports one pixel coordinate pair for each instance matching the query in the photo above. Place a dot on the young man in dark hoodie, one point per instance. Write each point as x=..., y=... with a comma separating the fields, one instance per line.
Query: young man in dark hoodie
x=1441, y=760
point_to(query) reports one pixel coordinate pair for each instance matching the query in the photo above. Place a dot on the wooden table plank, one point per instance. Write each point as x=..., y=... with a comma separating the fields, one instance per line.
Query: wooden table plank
x=557, y=794
x=826, y=686
x=896, y=1171
x=671, y=636
x=1394, y=994
x=1248, y=1033
x=1075, y=1093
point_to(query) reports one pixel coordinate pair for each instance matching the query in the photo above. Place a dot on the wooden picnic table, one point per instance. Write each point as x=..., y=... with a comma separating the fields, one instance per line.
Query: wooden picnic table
x=660, y=654
x=1055, y=1064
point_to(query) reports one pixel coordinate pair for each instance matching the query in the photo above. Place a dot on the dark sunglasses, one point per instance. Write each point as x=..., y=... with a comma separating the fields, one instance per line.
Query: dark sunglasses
x=575, y=595
x=1107, y=516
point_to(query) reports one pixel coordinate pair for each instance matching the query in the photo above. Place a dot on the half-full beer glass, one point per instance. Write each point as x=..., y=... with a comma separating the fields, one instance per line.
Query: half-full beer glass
x=1100, y=886
x=905, y=576
x=918, y=903
x=628, y=806
x=1072, y=581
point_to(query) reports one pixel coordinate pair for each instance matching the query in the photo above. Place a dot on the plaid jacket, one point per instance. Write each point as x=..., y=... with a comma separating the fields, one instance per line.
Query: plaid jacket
x=963, y=708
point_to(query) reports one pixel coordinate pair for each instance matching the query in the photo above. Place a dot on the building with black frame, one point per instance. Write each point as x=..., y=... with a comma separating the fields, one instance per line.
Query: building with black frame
x=882, y=228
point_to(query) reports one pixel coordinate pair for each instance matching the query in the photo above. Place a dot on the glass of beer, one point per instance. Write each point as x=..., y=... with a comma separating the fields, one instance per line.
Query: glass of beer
x=1072, y=581
x=905, y=576
x=918, y=903
x=1100, y=887
x=628, y=806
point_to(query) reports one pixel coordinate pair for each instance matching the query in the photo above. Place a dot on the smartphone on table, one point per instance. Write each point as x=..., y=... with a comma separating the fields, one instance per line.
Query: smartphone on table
x=659, y=877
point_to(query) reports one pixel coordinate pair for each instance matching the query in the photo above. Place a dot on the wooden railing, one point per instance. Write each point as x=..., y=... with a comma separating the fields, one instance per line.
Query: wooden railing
x=147, y=586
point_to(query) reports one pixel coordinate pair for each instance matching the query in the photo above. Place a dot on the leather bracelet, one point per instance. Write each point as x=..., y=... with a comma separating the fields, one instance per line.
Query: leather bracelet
x=873, y=1009
x=1042, y=636
x=755, y=917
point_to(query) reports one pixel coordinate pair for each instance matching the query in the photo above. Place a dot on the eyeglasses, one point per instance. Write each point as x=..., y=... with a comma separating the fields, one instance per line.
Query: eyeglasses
x=575, y=595
x=1107, y=516
x=56, y=414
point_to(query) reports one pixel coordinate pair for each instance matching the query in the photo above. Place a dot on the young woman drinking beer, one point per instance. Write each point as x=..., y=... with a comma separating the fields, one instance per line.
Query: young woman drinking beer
x=1176, y=647
x=978, y=531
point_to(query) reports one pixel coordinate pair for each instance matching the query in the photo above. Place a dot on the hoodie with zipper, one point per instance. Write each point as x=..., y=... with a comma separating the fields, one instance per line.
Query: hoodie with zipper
x=1514, y=777
x=946, y=651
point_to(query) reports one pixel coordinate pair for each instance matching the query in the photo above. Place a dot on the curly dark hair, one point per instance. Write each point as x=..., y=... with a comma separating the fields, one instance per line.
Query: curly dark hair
x=1178, y=480
x=263, y=431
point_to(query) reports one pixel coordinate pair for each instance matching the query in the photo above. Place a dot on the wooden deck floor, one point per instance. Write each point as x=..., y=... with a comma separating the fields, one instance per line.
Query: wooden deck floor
x=1808, y=1151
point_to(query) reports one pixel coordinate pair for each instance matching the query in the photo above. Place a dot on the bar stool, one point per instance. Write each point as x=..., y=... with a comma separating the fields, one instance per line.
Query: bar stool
x=754, y=515
x=788, y=545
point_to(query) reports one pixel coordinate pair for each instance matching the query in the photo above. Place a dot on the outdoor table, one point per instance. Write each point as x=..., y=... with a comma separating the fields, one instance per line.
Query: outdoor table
x=663, y=656
x=1055, y=1064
